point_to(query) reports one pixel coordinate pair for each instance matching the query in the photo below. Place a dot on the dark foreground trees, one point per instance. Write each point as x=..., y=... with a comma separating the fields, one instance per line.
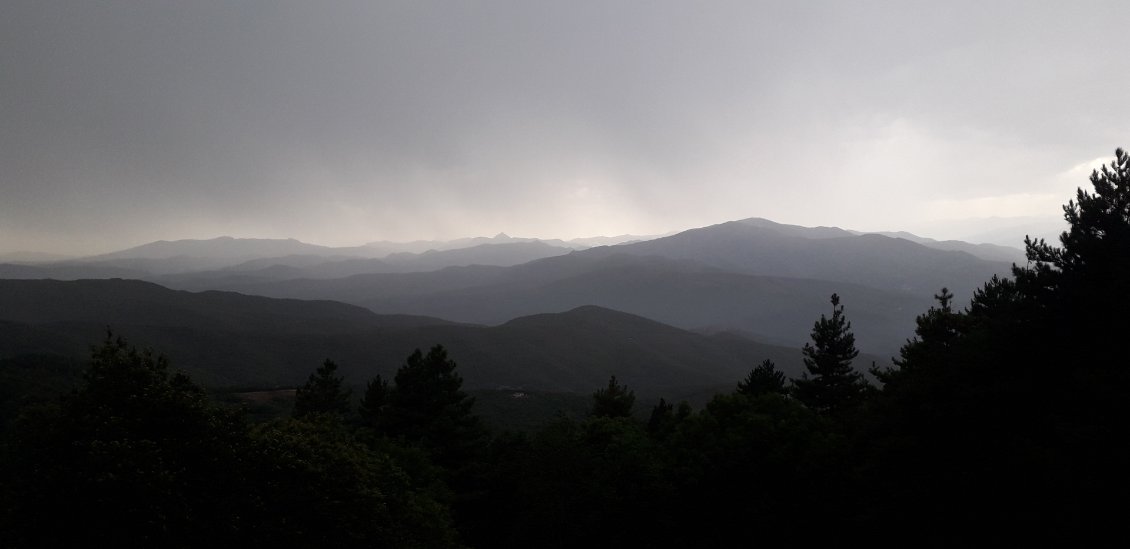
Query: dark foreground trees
x=134, y=456
x=425, y=414
x=1005, y=422
x=138, y=456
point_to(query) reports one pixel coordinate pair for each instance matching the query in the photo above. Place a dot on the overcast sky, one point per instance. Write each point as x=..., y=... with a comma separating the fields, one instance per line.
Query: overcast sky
x=346, y=122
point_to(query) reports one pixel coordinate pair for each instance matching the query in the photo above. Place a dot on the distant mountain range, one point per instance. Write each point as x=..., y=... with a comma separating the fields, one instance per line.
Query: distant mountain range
x=751, y=276
x=1002, y=231
x=31, y=257
x=289, y=258
x=228, y=339
x=305, y=266
x=385, y=248
x=222, y=248
x=766, y=280
x=990, y=252
x=986, y=251
x=758, y=246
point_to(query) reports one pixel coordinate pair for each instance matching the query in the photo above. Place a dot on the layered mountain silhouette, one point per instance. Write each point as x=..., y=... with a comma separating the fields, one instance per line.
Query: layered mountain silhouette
x=989, y=252
x=229, y=339
x=758, y=246
x=305, y=266
x=683, y=294
x=289, y=258
x=224, y=247
x=765, y=280
x=385, y=248
x=753, y=276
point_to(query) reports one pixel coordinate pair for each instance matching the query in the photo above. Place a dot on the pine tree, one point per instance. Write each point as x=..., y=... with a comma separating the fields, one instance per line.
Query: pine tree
x=938, y=330
x=1083, y=282
x=322, y=394
x=1099, y=227
x=427, y=406
x=1030, y=376
x=765, y=378
x=613, y=401
x=834, y=386
x=374, y=402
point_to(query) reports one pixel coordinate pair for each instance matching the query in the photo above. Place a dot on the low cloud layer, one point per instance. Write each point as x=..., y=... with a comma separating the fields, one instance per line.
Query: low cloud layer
x=125, y=122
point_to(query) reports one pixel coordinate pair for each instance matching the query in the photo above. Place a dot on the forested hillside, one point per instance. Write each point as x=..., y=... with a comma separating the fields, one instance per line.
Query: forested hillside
x=226, y=339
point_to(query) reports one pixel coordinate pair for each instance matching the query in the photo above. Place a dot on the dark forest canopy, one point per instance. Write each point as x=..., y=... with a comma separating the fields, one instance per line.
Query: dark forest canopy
x=999, y=423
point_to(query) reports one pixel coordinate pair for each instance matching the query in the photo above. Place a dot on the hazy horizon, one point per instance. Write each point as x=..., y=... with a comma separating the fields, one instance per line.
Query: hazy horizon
x=347, y=122
x=1002, y=236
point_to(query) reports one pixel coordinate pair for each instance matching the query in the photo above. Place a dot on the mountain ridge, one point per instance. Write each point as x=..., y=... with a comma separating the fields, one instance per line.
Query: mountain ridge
x=222, y=339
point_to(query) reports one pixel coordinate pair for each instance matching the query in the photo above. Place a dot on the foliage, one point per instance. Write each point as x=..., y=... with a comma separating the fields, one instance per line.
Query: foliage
x=427, y=406
x=834, y=386
x=765, y=464
x=999, y=417
x=593, y=483
x=135, y=455
x=322, y=394
x=1085, y=278
x=765, y=378
x=665, y=418
x=937, y=332
x=616, y=400
x=1093, y=247
x=32, y=379
x=375, y=401
x=138, y=456
x=316, y=485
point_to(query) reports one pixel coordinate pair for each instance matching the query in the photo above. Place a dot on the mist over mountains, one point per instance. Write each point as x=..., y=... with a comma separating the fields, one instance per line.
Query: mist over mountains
x=754, y=277
x=248, y=254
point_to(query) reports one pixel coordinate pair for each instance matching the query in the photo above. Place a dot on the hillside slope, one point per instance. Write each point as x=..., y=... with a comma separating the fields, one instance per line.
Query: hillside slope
x=228, y=339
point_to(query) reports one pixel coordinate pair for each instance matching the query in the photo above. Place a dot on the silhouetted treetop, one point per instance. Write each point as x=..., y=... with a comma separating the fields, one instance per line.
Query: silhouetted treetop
x=765, y=378
x=1099, y=224
x=322, y=393
x=615, y=400
x=426, y=406
x=830, y=385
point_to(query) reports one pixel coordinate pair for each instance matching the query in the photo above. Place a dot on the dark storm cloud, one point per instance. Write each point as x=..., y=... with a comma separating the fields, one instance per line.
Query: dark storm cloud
x=124, y=122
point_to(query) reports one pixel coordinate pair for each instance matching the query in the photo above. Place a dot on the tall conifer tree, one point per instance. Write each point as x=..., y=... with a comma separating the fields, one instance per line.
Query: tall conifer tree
x=831, y=385
x=323, y=393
